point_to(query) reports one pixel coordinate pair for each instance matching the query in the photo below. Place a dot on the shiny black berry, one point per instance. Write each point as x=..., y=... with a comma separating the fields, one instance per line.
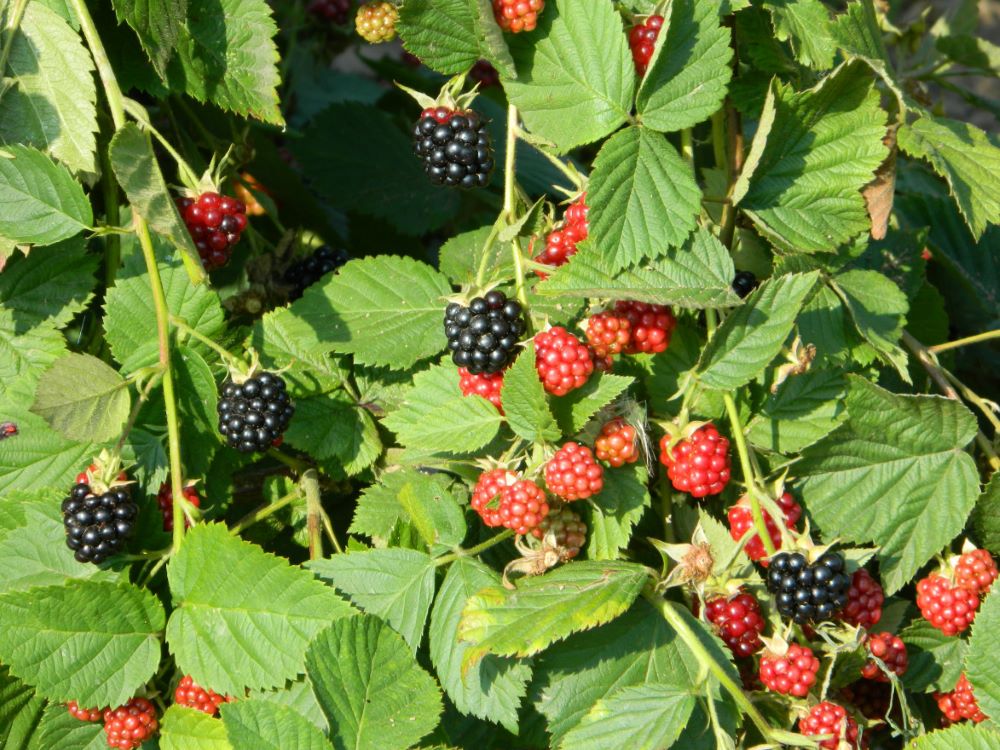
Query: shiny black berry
x=483, y=336
x=307, y=271
x=744, y=282
x=455, y=147
x=808, y=592
x=254, y=414
x=97, y=526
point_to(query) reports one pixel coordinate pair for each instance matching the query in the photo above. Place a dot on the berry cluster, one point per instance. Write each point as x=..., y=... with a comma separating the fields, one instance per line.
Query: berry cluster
x=516, y=16
x=864, y=601
x=216, y=223
x=791, y=673
x=960, y=703
x=376, y=21
x=808, y=592
x=976, y=571
x=128, y=726
x=97, y=526
x=483, y=337
x=254, y=414
x=573, y=474
x=616, y=443
x=562, y=360
x=502, y=498
x=305, y=272
x=699, y=464
x=830, y=719
x=891, y=650
x=741, y=521
x=561, y=243
x=487, y=385
x=455, y=147
x=951, y=609
x=642, y=41
x=335, y=11
x=164, y=498
x=189, y=693
x=565, y=526
x=743, y=283
x=738, y=621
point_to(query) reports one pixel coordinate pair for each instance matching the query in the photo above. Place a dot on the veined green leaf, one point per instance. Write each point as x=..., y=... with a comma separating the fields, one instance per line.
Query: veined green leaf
x=643, y=717
x=183, y=728
x=525, y=404
x=264, y=725
x=159, y=24
x=81, y=395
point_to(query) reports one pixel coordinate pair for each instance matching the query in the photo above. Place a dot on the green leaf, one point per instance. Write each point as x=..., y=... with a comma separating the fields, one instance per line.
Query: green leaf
x=805, y=409
x=80, y=395
x=616, y=510
x=435, y=513
x=226, y=54
x=265, y=609
x=959, y=737
x=51, y=102
x=805, y=24
x=386, y=310
x=644, y=717
x=547, y=608
x=394, y=584
x=971, y=51
x=159, y=25
x=640, y=189
x=442, y=33
x=812, y=153
x=183, y=728
x=986, y=517
x=370, y=687
x=493, y=688
x=492, y=42
x=460, y=256
x=20, y=712
x=437, y=417
x=880, y=477
x=858, y=32
x=750, y=337
x=878, y=308
x=577, y=407
x=524, y=402
x=935, y=659
x=687, y=78
x=48, y=287
x=88, y=641
x=965, y=157
x=137, y=171
x=42, y=202
x=575, y=76
x=697, y=275
x=981, y=662
x=334, y=426
x=58, y=728
x=286, y=342
x=264, y=725
x=381, y=506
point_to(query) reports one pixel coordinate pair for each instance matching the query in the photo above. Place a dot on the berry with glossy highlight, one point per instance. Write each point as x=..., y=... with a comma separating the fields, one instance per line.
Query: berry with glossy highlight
x=573, y=474
x=254, y=414
x=487, y=385
x=791, y=673
x=830, y=719
x=976, y=571
x=164, y=499
x=642, y=41
x=523, y=505
x=516, y=16
x=486, y=494
x=808, y=592
x=864, y=601
x=189, y=693
x=741, y=521
x=738, y=621
x=216, y=223
x=949, y=608
x=960, y=703
x=84, y=714
x=483, y=337
x=617, y=443
x=455, y=147
x=128, y=726
x=608, y=333
x=97, y=526
x=698, y=464
x=375, y=22
x=891, y=650
x=562, y=361
x=652, y=326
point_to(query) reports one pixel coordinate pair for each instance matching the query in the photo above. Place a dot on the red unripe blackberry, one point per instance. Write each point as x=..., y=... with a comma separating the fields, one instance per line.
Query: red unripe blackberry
x=738, y=621
x=642, y=42
x=699, y=464
x=97, y=526
x=130, y=725
x=616, y=444
x=652, y=326
x=573, y=474
x=960, y=703
x=891, y=650
x=562, y=361
x=608, y=333
x=516, y=16
x=741, y=521
x=486, y=494
x=569, y=531
x=864, y=601
x=483, y=337
x=84, y=714
x=487, y=385
x=336, y=11
x=561, y=243
x=255, y=413
x=793, y=673
x=216, y=223
x=190, y=693
x=976, y=571
x=376, y=21
x=165, y=499
x=830, y=719
x=948, y=608
x=522, y=506
x=455, y=147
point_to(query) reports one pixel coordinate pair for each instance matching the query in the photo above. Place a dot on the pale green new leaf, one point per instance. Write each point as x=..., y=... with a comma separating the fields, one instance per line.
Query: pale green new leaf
x=575, y=76
x=696, y=275
x=158, y=24
x=88, y=641
x=81, y=395
x=642, y=717
x=437, y=417
x=442, y=33
x=394, y=584
x=805, y=409
x=812, y=153
x=51, y=102
x=263, y=725
x=753, y=334
x=370, y=687
x=881, y=476
x=49, y=287
x=494, y=687
x=643, y=198
x=878, y=308
x=524, y=402
x=183, y=728
x=805, y=24
x=576, y=408
x=42, y=203
x=982, y=662
x=616, y=510
x=935, y=659
x=687, y=78
x=959, y=737
x=547, y=608
x=265, y=610
x=966, y=158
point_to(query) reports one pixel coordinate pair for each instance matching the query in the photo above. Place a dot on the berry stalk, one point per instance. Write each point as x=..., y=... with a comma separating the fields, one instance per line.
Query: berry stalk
x=749, y=478
x=310, y=487
x=472, y=551
x=509, y=194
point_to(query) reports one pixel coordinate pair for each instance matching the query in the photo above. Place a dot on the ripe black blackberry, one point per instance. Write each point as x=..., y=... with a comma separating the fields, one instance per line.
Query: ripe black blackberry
x=808, y=592
x=307, y=271
x=483, y=336
x=744, y=282
x=97, y=525
x=254, y=414
x=455, y=147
